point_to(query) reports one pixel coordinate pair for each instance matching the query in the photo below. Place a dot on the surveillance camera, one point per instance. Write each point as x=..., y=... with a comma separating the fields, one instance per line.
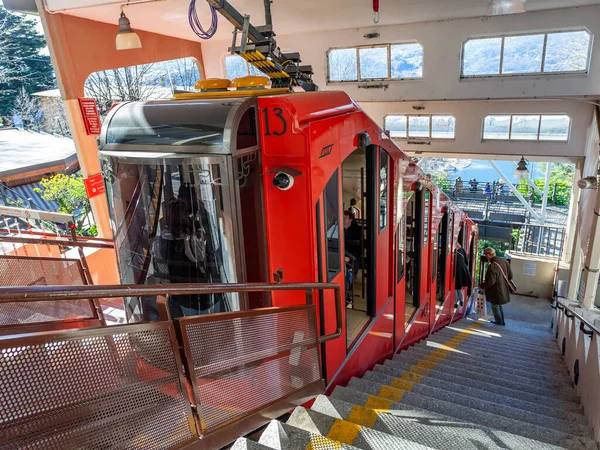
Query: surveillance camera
x=588, y=183
x=283, y=181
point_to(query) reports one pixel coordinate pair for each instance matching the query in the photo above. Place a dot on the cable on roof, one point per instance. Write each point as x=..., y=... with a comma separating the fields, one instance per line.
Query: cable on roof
x=197, y=27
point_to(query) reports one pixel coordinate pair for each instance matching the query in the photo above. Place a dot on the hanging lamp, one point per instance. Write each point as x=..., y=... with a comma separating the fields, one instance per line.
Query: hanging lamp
x=522, y=170
x=127, y=39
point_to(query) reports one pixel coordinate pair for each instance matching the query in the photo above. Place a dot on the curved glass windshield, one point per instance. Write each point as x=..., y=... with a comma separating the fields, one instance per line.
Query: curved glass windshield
x=177, y=122
x=173, y=223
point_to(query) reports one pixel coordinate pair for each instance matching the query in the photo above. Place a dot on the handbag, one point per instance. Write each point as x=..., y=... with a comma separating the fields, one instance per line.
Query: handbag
x=511, y=286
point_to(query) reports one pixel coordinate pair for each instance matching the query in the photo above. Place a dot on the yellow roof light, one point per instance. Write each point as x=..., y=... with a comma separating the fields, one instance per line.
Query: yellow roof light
x=250, y=82
x=213, y=84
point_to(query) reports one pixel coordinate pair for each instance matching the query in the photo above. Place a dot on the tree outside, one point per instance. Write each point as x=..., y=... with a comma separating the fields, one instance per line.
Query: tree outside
x=22, y=65
x=69, y=192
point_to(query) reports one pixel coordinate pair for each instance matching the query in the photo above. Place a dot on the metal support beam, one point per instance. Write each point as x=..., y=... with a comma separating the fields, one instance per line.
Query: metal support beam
x=530, y=182
x=546, y=188
x=231, y=14
x=514, y=191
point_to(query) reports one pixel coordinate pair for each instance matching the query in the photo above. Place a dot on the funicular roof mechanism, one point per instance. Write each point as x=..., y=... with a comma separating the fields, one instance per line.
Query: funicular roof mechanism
x=259, y=48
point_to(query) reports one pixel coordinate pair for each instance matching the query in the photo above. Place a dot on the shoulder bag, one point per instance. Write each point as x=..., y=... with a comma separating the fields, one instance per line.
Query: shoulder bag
x=511, y=286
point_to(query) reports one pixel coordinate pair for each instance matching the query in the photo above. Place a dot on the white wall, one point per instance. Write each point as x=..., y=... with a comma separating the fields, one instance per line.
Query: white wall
x=442, y=45
x=469, y=125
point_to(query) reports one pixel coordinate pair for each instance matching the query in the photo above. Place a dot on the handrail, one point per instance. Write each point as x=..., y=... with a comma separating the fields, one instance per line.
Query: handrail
x=23, y=239
x=52, y=293
x=583, y=320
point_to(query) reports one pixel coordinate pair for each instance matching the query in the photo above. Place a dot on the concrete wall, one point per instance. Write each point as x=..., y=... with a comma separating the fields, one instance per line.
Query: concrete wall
x=469, y=128
x=541, y=283
x=441, y=41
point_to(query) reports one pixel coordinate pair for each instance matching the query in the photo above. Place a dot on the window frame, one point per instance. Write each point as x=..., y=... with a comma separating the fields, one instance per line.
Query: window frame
x=542, y=72
x=389, y=77
x=430, y=137
x=332, y=273
x=539, y=132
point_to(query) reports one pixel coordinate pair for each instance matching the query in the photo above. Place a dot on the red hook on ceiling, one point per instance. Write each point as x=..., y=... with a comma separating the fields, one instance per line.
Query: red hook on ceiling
x=376, y=11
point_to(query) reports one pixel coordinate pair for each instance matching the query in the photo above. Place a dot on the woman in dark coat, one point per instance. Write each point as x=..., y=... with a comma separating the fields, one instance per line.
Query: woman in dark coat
x=495, y=284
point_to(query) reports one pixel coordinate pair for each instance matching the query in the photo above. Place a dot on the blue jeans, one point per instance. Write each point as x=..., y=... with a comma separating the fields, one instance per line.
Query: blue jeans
x=498, y=314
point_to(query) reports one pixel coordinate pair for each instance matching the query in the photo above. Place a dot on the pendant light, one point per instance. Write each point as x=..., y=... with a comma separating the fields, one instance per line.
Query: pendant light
x=502, y=7
x=127, y=39
x=522, y=170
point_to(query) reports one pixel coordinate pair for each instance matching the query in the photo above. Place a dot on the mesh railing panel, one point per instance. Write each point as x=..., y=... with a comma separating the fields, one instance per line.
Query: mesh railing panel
x=93, y=389
x=256, y=363
x=42, y=312
x=37, y=271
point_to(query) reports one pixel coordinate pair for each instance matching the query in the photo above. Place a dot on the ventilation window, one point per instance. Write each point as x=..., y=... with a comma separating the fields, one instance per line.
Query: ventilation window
x=526, y=54
x=236, y=67
x=420, y=126
x=383, y=62
x=527, y=127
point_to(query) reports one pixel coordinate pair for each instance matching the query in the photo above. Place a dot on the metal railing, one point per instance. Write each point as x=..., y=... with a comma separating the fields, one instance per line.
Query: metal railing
x=538, y=240
x=161, y=291
x=243, y=368
x=571, y=313
x=499, y=191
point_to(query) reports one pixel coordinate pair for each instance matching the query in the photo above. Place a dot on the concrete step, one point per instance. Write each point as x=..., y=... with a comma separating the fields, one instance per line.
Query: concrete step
x=561, y=389
x=247, y=444
x=515, y=327
x=509, y=425
x=495, y=344
x=422, y=368
x=491, y=394
x=490, y=339
x=498, y=408
x=438, y=432
x=480, y=352
x=349, y=432
x=282, y=436
x=544, y=398
x=489, y=368
x=486, y=359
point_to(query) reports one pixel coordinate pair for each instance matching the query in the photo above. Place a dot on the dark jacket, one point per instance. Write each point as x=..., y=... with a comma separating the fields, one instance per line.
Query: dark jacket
x=496, y=287
x=461, y=266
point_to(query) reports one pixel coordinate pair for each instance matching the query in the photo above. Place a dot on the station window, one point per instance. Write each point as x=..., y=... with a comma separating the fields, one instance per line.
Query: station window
x=421, y=126
x=382, y=62
x=143, y=82
x=527, y=127
x=332, y=226
x=236, y=67
x=526, y=54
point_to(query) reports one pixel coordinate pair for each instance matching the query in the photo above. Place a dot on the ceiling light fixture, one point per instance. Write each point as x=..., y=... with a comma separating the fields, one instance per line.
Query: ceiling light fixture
x=522, y=170
x=127, y=39
x=502, y=7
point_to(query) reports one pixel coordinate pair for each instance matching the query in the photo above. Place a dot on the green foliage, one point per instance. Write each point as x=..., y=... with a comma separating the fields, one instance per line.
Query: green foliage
x=561, y=176
x=441, y=179
x=500, y=246
x=21, y=64
x=69, y=192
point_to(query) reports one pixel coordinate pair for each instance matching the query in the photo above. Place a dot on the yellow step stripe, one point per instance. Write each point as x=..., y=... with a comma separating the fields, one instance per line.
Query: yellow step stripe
x=426, y=365
x=419, y=370
x=412, y=377
x=362, y=416
x=378, y=403
x=401, y=383
x=391, y=393
x=343, y=431
x=320, y=442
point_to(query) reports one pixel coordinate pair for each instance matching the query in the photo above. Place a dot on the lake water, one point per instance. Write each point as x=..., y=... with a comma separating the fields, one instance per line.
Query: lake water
x=482, y=171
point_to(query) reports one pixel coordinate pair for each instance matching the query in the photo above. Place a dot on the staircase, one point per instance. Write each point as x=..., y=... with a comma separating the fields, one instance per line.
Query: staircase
x=471, y=385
